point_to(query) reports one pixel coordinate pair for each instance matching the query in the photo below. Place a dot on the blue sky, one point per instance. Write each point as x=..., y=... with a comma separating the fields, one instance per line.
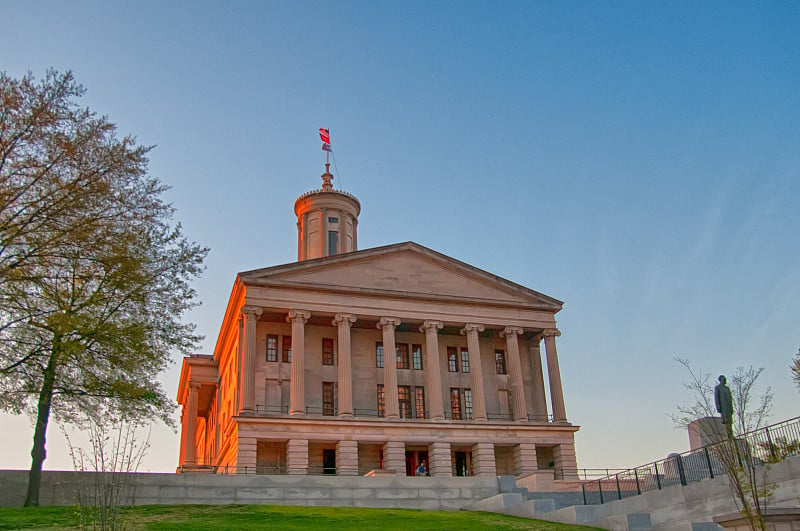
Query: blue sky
x=639, y=161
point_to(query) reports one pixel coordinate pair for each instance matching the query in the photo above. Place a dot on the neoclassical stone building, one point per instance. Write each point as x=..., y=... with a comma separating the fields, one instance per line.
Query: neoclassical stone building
x=302, y=379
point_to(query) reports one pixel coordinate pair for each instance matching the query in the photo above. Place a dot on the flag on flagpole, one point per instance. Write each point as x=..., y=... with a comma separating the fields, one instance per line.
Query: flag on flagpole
x=326, y=147
x=325, y=136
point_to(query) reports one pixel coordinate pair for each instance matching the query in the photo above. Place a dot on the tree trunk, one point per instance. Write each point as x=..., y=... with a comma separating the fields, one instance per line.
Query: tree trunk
x=38, y=452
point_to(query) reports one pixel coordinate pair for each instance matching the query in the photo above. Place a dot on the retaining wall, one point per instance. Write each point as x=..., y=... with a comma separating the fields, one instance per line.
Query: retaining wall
x=61, y=488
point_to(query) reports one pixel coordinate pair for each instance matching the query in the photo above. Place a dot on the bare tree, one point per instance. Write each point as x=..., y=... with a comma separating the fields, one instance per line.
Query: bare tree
x=105, y=470
x=746, y=474
x=795, y=367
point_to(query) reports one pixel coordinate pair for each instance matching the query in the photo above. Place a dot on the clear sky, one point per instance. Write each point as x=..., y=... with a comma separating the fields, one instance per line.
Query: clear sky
x=638, y=160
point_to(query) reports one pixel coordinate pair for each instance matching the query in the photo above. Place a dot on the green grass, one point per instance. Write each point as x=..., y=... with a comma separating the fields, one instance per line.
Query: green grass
x=274, y=517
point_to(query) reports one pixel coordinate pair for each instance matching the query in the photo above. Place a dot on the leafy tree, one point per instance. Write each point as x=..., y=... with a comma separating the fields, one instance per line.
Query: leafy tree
x=94, y=274
x=746, y=474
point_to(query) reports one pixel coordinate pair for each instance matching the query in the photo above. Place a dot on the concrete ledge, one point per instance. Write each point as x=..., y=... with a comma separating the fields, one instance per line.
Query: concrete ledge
x=392, y=491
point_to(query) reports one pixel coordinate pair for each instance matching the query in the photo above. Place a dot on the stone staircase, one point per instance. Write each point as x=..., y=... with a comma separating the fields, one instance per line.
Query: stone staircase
x=566, y=506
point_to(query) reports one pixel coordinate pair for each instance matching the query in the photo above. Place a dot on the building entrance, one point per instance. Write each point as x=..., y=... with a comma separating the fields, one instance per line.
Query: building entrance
x=329, y=461
x=461, y=463
x=414, y=459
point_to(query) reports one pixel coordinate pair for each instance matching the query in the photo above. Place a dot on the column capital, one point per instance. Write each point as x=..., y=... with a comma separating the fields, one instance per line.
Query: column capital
x=470, y=327
x=428, y=324
x=194, y=386
x=252, y=311
x=551, y=332
x=511, y=331
x=388, y=322
x=302, y=315
x=346, y=319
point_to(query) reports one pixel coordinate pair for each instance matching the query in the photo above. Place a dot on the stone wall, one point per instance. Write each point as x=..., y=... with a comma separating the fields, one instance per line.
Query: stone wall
x=61, y=488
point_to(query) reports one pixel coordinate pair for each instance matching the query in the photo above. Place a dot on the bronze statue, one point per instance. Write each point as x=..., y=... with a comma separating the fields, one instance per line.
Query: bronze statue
x=724, y=402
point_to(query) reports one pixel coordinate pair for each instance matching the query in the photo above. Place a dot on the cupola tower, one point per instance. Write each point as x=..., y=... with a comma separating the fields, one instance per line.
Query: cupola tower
x=327, y=221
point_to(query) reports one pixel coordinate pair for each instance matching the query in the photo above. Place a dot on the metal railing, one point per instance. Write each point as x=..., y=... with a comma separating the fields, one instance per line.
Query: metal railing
x=770, y=444
x=327, y=411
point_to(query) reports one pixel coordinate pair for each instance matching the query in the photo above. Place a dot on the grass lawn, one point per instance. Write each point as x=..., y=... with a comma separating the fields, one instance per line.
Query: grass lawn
x=277, y=517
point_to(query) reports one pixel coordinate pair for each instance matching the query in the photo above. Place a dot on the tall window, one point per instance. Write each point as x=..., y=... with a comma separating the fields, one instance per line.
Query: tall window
x=419, y=402
x=287, y=349
x=500, y=361
x=464, y=360
x=327, y=351
x=333, y=242
x=272, y=348
x=416, y=355
x=452, y=359
x=468, y=403
x=404, y=399
x=381, y=401
x=328, y=394
x=455, y=403
x=402, y=356
x=379, y=355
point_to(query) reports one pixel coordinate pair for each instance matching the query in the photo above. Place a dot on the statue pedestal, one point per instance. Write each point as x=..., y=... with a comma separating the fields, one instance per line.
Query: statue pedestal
x=706, y=431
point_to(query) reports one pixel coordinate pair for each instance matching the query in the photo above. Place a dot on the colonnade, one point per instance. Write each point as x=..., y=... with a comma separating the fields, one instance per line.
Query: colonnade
x=388, y=326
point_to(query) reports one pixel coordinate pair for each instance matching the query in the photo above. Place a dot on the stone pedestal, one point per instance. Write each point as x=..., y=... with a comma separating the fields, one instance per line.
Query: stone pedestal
x=246, y=455
x=706, y=431
x=439, y=459
x=394, y=457
x=525, y=459
x=297, y=456
x=483, y=462
x=566, y=464
x=347, y=458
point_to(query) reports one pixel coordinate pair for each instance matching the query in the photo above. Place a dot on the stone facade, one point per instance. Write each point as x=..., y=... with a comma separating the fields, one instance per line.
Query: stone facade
x=300, y=381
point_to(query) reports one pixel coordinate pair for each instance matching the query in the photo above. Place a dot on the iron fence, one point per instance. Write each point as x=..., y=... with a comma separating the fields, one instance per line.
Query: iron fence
x=770, y=444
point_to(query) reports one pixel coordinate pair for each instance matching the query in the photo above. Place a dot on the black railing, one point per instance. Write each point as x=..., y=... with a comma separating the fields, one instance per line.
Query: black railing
x=770, y=444
x=329, y=411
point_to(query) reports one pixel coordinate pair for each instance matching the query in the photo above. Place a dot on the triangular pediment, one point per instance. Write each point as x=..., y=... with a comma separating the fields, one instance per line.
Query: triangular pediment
x=405, y=270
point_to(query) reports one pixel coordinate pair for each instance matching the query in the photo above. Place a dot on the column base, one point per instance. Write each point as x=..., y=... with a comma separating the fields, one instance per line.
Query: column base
x=525, y=459
x=297, y=457
x=439, y=460
x=347, y=458
x=483, y=461
x=394, y=457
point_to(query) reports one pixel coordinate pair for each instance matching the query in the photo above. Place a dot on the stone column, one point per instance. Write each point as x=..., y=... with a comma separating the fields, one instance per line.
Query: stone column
x=525, y=459
x=440, y=460
x=296, y=452
x=539, y=400
x=556, y=393
x=475, y=370
x=343, y=321
x=251, y=315
x=297, y=389
x=433, y=373
x=512, y=333
x=483, y=462
x=347, y=458
x=191, y=425
x=392, y=406
x=394, y=457
x=566, y=464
